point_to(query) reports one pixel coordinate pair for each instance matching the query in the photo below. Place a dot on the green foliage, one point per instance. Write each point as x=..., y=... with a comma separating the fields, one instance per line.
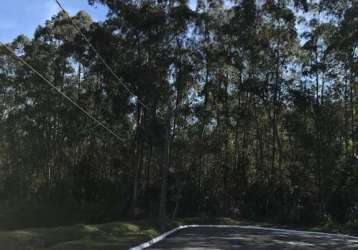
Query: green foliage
x=244, y=110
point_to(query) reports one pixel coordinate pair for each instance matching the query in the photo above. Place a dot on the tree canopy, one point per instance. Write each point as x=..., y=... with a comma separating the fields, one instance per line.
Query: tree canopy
x=236, y=108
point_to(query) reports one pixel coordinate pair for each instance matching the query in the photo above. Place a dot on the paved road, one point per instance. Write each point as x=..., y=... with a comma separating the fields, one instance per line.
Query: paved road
x=253, y=239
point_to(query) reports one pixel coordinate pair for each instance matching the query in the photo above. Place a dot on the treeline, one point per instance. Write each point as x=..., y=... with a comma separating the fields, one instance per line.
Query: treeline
x=244, y=108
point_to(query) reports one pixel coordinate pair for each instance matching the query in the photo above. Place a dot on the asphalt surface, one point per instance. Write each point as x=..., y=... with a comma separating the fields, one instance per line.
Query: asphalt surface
x=253, y=239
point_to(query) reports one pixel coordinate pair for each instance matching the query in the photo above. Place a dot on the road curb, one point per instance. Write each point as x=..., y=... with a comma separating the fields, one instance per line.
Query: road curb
x=164, y=235
x=160, y=237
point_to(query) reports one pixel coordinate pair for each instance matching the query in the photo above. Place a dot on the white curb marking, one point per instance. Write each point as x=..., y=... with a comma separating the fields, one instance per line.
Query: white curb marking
x=164, y=235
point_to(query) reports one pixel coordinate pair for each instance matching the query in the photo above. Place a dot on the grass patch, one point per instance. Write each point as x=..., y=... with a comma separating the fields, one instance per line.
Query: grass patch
x=116, y=235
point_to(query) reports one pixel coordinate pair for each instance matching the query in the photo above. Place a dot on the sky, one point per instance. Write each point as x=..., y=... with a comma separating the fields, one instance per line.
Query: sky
x=24, y=16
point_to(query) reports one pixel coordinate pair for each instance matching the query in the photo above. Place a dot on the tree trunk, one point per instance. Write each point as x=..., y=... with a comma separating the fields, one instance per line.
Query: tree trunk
x=165, y=168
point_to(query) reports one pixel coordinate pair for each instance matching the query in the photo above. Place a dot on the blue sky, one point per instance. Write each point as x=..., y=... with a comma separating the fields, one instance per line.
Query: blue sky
x=23, y=16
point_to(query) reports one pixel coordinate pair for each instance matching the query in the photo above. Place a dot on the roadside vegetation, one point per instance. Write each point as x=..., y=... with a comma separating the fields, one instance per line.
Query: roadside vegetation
x=115, y=235
x=242, y=109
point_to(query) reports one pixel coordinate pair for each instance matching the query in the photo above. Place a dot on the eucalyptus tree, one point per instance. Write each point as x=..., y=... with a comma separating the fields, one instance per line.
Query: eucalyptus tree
x=234, y=108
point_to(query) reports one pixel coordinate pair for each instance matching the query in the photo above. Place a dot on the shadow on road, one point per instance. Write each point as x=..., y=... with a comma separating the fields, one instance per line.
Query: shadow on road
x=254, y=239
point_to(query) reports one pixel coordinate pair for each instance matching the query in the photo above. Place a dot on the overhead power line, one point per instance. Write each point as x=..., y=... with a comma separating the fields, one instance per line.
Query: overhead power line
x=78, y=29
x=61, y=93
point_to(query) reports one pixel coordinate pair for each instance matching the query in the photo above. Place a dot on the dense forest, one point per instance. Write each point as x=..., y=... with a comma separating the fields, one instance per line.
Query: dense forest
x=244, y=108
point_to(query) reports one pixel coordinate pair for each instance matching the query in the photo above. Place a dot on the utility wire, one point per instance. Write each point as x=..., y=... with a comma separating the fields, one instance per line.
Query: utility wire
x=60, y=92
x=78, y=29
